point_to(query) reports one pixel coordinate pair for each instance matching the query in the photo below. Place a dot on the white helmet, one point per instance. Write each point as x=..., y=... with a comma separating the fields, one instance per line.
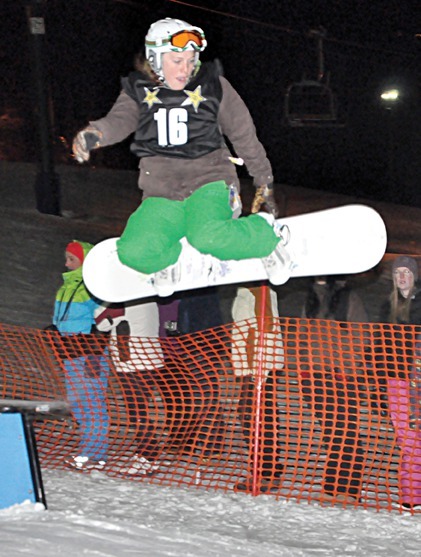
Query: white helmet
x=172, y=35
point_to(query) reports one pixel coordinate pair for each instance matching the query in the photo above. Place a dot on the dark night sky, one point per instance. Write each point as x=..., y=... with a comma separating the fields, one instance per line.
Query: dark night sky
x=264, y=47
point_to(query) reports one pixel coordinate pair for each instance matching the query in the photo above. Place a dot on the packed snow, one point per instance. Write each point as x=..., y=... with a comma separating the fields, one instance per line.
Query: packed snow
x=96, y=516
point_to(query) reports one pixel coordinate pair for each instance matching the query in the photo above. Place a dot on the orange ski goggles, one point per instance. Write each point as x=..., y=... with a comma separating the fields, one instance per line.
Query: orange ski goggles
x=183, y=38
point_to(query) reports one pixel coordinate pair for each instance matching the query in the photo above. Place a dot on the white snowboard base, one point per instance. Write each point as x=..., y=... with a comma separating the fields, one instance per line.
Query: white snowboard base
x=343, y=240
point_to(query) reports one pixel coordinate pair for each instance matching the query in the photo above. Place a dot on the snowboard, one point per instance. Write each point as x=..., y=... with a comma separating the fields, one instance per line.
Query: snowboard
x=342, y=240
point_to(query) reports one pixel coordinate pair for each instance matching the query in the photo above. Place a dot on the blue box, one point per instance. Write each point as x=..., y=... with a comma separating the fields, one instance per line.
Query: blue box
x=20, y=475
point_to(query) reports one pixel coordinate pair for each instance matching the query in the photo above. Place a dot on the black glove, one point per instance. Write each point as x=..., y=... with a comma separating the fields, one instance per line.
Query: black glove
x=123, y=346
x=68, y=347
x=264, y=200
x=86, y=140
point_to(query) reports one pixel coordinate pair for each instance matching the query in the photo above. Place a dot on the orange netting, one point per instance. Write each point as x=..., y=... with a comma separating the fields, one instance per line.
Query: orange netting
x=304, y=409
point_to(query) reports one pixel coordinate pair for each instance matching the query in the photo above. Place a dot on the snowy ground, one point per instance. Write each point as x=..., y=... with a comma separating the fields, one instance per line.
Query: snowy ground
x=97, y=516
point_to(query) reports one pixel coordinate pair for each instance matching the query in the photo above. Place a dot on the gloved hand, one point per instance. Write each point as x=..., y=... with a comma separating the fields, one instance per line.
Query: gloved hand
x=110, y=313
x=68, y=347
x=86, y=140
x=264, y=200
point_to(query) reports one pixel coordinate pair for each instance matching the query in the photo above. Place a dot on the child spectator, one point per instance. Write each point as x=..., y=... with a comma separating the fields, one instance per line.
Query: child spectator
x=85, y=367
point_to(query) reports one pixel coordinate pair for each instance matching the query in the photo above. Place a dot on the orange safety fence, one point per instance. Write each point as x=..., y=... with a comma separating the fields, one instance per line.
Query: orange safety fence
x=293, y=408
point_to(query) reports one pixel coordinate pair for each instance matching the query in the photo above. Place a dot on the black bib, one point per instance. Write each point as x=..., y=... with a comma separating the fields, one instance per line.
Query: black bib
x=180, y=124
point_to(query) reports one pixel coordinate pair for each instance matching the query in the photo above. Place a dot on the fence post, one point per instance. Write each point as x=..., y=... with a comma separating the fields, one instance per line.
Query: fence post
x=258, y=390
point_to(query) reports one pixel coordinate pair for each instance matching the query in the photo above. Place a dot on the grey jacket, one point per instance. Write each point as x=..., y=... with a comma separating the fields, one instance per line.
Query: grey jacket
x=176, y=179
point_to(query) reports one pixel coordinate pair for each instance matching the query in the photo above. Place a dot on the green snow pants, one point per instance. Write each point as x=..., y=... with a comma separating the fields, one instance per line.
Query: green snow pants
x=151, y=240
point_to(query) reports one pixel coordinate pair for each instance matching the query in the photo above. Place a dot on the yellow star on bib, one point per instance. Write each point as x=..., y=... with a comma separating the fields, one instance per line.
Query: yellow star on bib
x=151, y=97
x=194, y=98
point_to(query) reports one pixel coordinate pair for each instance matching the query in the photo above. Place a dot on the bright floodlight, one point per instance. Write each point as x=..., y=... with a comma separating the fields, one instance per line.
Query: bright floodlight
x=390, y=95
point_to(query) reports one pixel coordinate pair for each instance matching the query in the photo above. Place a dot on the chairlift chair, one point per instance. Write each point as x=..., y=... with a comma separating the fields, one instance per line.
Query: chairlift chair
x=310, y=102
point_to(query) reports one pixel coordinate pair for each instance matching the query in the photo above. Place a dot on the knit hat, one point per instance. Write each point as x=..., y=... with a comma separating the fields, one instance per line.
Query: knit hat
x=408, y=262
x=75, y=248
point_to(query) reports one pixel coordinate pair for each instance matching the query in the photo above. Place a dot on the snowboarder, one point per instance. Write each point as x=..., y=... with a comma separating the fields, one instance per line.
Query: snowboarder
x=179, y=111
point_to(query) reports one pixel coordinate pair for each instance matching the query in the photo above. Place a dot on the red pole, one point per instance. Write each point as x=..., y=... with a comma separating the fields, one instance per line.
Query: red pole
x=258, y=391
